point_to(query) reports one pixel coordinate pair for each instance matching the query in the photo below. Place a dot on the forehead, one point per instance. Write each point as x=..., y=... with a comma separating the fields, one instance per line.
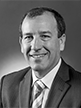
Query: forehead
x=44, y=21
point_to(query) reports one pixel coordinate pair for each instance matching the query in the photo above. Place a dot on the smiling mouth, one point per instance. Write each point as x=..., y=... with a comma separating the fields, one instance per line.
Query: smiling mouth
x=38, y=55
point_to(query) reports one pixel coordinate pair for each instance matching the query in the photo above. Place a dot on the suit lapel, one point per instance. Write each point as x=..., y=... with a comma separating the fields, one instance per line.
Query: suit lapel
x=59, y=87
x=24, y=91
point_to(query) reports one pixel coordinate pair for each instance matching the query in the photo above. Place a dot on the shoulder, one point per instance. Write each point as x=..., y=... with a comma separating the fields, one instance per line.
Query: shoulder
x=73, y=72
x=75, y=76
x=14, y=77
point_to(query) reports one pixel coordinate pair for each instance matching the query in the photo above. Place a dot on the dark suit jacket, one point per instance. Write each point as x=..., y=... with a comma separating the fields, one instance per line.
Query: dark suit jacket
x=65, y=91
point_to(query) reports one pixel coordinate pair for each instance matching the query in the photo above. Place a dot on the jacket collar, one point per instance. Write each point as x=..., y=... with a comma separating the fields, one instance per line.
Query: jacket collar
x=25, y=90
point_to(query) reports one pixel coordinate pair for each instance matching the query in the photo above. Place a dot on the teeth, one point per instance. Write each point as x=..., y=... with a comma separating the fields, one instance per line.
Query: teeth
x=38, y=56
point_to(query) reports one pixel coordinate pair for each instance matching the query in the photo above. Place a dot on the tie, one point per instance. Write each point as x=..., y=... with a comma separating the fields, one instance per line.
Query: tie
x=38, y=94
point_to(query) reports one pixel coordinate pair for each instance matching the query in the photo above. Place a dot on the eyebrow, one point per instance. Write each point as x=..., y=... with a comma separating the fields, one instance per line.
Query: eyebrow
x=40, y=32
x=27, y=33
x=45, y=32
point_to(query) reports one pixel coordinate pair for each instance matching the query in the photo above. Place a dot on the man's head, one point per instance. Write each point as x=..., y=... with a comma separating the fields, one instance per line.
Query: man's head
x=42, y=38
x=39, y=11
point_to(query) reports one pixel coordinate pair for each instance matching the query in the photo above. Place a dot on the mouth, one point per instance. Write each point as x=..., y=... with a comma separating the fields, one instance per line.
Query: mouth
x=38, y=55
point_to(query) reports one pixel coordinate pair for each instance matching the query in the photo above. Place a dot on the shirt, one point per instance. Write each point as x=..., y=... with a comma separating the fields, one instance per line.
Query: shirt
x=47, y=80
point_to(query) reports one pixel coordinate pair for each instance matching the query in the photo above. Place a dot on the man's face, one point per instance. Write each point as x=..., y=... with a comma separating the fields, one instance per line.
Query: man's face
x=40, y=43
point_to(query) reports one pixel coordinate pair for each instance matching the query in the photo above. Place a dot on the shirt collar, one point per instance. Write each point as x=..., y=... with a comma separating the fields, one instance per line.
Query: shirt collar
x=48, y=78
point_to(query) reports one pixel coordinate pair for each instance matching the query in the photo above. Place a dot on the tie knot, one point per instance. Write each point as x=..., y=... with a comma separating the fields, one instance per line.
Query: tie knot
x=39, y=85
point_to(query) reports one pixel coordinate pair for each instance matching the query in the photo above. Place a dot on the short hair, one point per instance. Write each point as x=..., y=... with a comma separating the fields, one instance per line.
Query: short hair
x=61, y=27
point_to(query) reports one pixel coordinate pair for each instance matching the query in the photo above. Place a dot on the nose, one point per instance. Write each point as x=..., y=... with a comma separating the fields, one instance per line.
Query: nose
x=36, y=44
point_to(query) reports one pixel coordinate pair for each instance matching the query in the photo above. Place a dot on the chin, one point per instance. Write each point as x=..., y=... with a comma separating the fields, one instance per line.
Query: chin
x=37, y=67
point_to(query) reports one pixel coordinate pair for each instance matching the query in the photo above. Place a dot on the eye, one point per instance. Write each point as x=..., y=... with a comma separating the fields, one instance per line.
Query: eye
x=28, y=38
x=45, y=37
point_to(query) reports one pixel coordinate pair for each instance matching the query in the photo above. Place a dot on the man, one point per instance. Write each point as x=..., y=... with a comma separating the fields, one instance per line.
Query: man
x=42, y=38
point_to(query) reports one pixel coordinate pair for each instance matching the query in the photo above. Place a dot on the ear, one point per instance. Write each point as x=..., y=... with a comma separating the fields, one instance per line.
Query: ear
x=62, y=41
x=20, y=42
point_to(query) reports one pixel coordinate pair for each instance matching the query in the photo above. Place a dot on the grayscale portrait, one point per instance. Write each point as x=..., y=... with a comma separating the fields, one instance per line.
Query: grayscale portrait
x=40, y=54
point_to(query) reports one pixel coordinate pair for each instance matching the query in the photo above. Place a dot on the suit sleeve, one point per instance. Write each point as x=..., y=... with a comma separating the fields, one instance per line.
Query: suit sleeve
x=1, y=81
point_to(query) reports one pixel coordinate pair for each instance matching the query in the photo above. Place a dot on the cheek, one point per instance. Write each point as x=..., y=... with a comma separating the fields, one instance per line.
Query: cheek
x=25, y=48
x=50, y=45
x=53, y=46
